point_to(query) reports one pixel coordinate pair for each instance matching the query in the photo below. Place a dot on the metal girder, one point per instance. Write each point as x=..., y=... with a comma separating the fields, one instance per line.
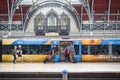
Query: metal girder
x=81, y=18
x=108, y=17
x=89, y=11
x=15, y=5
x=86, y=5
x=12, y=4
x=92, y=13
x=117, y=18
x=9, y=9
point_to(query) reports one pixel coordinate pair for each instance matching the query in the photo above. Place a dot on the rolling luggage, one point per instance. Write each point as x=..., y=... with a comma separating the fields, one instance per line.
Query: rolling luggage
x=46, y=60
x=74, y=60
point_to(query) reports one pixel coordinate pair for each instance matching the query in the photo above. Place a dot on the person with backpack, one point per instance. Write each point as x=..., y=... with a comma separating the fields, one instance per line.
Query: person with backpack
x=72, y=52
x=19, y=52
x=67, y=53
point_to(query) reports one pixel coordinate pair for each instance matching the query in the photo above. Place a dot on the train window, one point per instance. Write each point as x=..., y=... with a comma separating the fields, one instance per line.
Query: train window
x=76, y=49
x=95, y=49
x=84, y=49
x=7, y=49
x=36, y=49
x=45, y=49
x=28, y=49
x=99, y=49
x=116, y=49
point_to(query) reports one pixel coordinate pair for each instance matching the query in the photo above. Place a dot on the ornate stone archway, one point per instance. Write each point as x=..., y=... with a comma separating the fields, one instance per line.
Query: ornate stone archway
x=57, y=13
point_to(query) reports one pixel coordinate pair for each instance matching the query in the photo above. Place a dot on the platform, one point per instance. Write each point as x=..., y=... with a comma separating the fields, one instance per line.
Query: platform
x=83, y=67
x=54, y=70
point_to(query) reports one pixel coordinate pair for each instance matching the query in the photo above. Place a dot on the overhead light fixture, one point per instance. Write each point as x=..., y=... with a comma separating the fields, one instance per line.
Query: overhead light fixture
x=91, y=33
x=9, y=34
x=27, y=17
x=17, y=6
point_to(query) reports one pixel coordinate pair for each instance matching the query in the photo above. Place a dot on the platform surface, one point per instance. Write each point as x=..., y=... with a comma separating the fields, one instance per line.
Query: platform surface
x=84, y=67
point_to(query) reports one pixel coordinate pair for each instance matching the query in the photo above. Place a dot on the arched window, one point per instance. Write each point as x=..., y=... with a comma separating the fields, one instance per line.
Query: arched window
x=40, y=20
x=63, y=21
x=52, y=20
x=64, y=24
x=39, y=24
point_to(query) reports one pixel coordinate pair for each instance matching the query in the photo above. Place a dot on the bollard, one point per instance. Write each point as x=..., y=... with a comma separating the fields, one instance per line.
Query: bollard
x=64, y=75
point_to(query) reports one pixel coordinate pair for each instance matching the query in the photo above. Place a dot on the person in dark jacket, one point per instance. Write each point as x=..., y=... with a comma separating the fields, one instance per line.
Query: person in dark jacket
x=53, y=53
x=51, y=57
x=19, y=52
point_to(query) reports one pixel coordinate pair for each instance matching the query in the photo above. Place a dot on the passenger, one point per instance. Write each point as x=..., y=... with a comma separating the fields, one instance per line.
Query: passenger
x=67, y=53
x=53, y=53
x=51, y=57
x=14, y=54
x=19, y=52
x=72, y=52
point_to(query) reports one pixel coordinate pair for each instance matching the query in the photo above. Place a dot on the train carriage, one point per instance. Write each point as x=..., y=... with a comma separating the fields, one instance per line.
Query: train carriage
x=101, y=50
x=86, y=50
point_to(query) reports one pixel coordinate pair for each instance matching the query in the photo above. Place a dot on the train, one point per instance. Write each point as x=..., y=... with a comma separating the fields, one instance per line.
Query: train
x=86, y=50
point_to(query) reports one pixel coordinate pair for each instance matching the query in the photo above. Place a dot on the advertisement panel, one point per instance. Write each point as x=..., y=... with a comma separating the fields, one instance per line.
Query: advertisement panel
x=26, y=41
x=91, y=58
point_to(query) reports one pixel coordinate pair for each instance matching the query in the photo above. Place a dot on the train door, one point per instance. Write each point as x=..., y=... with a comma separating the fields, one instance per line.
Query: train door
x=78, y=50
x=0, y=50
x=62, y=46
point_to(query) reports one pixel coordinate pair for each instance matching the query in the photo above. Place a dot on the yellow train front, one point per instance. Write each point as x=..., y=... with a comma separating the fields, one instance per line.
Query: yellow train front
x=35, y=50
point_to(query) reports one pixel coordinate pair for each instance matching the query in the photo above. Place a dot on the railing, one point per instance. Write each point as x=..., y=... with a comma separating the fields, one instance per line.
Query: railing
x=64, y=75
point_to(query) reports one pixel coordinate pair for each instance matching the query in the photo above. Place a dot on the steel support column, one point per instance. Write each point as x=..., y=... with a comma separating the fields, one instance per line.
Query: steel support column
x=108, y=17
x=9, y=14
x=81, y=19
x=22, y=17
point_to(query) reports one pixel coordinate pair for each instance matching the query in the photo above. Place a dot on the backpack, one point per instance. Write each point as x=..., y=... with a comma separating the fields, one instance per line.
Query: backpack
x=72, y=49
x=66, y=50
x=74, y=60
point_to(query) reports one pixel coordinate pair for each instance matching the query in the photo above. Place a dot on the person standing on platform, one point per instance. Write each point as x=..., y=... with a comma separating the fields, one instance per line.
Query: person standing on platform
x=72, y=52
x=51, y=57
x=19, y=52
x=14, y=54
x=67, y=53
x=53, y=52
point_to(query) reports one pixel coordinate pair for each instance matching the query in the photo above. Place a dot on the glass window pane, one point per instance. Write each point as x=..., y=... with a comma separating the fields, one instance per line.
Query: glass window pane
x=63, y=21
x=52, y=20
x=95, y=49
x=40, y=21
x=7, y=49
x=116, y=49
x=28, y=49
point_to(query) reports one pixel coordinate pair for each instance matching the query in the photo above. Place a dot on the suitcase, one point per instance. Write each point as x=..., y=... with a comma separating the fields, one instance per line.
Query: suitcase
x=74, y=60
x=46, y=60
